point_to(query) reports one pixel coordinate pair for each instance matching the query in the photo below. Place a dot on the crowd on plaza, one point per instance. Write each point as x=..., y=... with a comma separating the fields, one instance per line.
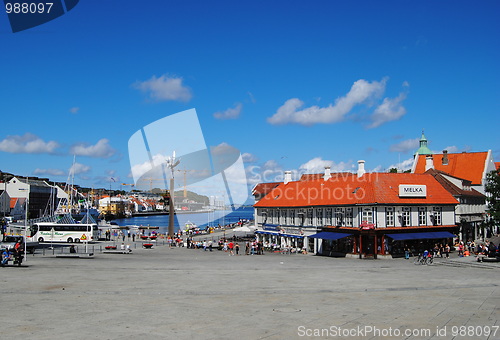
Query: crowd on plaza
x=463, y=249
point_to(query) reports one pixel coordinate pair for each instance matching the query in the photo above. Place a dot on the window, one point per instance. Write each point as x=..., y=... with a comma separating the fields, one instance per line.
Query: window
x=367, y=216
x=422, y=217
x=319, y=216
x=264, y=216
x=328, y=216
x=348, y=217
x=436, y=218
x=309, y=217
x=389, y=218
x=283, y=216
x=291, y=217
x=405, y=218
x=339, y=217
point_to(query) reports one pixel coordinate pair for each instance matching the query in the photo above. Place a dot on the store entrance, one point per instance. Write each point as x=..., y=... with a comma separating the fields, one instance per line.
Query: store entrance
x=368, y=244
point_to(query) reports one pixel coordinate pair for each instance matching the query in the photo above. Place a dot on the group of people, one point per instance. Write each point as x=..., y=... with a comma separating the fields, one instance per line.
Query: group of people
x=16, y=254
x=486, y=249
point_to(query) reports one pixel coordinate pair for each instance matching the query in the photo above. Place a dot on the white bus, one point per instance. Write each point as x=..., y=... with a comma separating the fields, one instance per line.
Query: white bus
x=55, y=232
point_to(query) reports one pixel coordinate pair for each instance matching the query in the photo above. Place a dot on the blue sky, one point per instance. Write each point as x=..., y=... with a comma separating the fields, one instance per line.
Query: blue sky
x=294, y=85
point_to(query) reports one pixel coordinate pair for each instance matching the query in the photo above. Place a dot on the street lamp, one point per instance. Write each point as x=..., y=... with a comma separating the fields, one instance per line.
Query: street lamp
x=171, y=164
x=26, y=206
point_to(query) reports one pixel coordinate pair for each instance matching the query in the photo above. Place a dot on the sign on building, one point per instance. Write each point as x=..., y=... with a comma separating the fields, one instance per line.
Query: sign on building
x=412, y=190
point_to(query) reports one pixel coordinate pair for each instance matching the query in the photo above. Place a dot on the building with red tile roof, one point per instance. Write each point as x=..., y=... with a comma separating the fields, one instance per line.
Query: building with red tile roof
x=472, y=166
x=370, y=214
x=471, y=209
x=262, y=189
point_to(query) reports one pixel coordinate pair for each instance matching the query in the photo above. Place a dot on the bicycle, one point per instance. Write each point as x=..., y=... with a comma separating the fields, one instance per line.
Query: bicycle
x=420, y=259
x=429, y=260
x=417, y=259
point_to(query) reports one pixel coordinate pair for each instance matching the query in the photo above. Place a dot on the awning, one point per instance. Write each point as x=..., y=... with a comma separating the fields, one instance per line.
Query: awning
x=421, y=236
x=278, y=234
x=325, y=235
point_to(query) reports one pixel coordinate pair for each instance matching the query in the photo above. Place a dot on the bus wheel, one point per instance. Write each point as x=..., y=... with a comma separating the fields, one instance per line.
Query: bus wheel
x=77, y=240
x=70, y=240
x=40, y=239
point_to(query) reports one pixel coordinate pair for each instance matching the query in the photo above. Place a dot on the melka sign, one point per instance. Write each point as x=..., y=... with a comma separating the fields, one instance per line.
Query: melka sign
x=412, y=190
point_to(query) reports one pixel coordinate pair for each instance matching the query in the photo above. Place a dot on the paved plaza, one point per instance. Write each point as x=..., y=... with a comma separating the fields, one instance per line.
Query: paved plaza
x=179, y=293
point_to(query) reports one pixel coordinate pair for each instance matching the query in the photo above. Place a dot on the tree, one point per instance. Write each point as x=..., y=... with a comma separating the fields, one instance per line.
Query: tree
x=492, y=189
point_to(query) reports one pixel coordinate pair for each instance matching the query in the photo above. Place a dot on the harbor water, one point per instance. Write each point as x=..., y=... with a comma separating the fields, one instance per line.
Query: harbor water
x=201, y=220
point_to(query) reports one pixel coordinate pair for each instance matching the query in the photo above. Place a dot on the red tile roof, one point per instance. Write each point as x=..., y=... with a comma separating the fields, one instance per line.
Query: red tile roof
x=264, y=188
x=311, y=177
x=371, y=188
x=466, y=165
x=452, y=188
x=497, y=165
x=13, y=201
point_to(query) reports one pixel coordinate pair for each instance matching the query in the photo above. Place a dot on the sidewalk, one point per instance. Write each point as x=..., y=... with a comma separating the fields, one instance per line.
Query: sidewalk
x=190, y=294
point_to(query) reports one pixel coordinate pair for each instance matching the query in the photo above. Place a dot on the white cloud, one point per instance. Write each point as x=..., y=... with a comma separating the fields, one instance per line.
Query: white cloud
x=101, y=149
x=51, y=172
x=78, y=168
x=138, y=170
x=27, y=143
x=450, y=149
x=361, y=91
x=390, y=109
x=74, y=110
x=249, y=158
x=252, y=98
x=165, y=88
x=406, y=145
x=223, y=148
x=403, y=166
x=231, y=113
x=317, y=165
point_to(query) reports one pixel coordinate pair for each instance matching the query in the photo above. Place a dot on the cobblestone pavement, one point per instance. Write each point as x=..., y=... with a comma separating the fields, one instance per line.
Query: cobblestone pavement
x=180, y=293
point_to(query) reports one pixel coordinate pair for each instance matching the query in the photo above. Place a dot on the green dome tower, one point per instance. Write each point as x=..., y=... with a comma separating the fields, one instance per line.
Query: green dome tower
x=423, y=149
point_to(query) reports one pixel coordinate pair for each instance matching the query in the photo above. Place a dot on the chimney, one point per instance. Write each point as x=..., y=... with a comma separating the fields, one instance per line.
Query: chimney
x=327, y=173
x=445, y=157
x=429, y=162
x=361, y=168
x=288, y=177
